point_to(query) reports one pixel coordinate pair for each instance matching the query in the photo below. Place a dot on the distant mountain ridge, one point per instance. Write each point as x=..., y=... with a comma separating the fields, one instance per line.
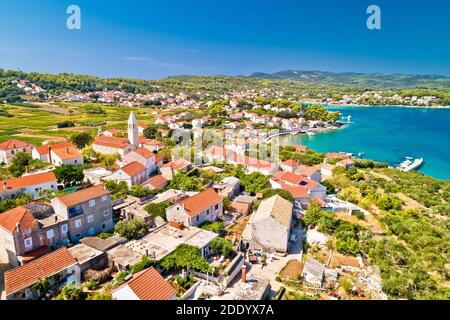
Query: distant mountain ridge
x=371, y=80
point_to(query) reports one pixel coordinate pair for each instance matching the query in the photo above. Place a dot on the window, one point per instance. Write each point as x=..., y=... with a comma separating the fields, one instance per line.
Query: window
x=91, y=231
x=90, y=218
x=75, y=161
x=91, y=203
x=104, y=198
x=103, y=226
x=64, y=228
x=50, y=234
x=78, y=223
x=217, y=207
x=207, y=212
x=28, y=242
x=78, y=235
x=106, y=213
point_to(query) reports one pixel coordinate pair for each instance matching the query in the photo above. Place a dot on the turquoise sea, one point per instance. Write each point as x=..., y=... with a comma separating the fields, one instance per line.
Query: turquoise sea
x=389, y=134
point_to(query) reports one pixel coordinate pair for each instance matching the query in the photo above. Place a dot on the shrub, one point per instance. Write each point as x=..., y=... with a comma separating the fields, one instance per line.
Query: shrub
x=132, y=229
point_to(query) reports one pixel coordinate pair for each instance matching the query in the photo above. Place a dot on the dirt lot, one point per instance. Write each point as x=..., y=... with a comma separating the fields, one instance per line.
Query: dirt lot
x=341, y=260
x=369, y=222
x=292, y=270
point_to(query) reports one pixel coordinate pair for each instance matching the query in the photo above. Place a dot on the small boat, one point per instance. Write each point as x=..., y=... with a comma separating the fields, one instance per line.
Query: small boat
x=410, y=164
x=310, y=134
x=360, y=154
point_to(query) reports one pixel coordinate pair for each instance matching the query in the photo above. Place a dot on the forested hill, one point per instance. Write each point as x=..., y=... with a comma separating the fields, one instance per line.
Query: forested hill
x=374, y=80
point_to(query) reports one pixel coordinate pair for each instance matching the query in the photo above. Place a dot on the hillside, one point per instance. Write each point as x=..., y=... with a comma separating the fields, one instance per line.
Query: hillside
x=374, y=80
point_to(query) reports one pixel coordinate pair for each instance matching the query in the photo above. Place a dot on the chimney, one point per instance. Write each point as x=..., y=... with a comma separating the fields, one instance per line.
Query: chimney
x=67, y=149
x=49, y=154
x=146, y=252
x=18, y=226
x=56, y=218
x=5, y=185
x=244, y=274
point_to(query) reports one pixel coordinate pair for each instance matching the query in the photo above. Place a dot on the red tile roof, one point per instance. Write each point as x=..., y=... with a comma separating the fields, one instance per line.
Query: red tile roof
x=67, y=153
x=158, y=182
x=45, y=147
x=154, y=142
x=336, y=155
x=290, y=163
x=296, y=191
x=133, y=168
x=158, y=159
x=177, y=164
x=145, y=153
x=300, y=148
x=14, y=144
x=28, y=181
x=150, y=285
x=295, y=179
x=112, y=142
x=83, y=195
x=201, y=201
x=20, y=215
x=27, y=275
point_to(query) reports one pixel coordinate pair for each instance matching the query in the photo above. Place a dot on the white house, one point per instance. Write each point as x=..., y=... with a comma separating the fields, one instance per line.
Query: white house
x=31, y=184
x=9, y=149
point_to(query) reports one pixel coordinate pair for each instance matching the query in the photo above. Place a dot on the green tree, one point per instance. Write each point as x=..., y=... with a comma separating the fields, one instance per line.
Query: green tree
x=221, y=246
x=185, y=256
x=81, y=140
x=157, y=209
x=132, y=229
x=69, y=175
x=19, y=164
x=150, y=132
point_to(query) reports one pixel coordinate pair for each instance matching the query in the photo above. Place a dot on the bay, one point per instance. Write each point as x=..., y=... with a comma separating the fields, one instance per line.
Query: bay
x=389, y=134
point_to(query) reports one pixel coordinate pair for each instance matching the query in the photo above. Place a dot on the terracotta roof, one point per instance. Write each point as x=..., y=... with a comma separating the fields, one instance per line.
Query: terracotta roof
x=218, y=151
x=290, y=163
x=154, y=142
x=296, y=191
x=113, y=131
x=336, y=155
x=318, y=201
x=150, y=285
x=177, y=164
x=14, y=144
x=34, y=254
x=145, y=153
x=300, y=148
x=27, y=275
x=112, y=142
x=67, y=153
x=201, y=201
x=306, y=171
x=295, y=179
x=158, y=158
x=133, y=168
x=158, y=182
x=83, y=195
x=27, y=181
x=45, y=147
x=239, y=207
x=20, y=215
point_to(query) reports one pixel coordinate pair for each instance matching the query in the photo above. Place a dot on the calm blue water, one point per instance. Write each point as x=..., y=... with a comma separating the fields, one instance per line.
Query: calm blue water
x=390, y=134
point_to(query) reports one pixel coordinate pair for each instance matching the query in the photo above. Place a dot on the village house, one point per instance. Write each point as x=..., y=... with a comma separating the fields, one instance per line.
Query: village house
x=43, y=152
x=96, y=175
x=157, y=182
x=346, y=163
x=121, y=146
x=228, y=187
x=23, y=233
x=172, y=168
x=58, y=268
x=68, y=155
x=87, y=211
x=282, y=179
x=31, y=184
x=9, y=149
x=270, y=226
x=289, y=165
x=312, y=173
x=145, y=285
x=153, y=145
x=132, y=173
x=193, y=211
x=113, y=132
x=144, y=157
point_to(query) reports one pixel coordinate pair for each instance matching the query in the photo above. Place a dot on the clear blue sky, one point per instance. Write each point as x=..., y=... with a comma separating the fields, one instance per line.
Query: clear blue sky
x=152, y=39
